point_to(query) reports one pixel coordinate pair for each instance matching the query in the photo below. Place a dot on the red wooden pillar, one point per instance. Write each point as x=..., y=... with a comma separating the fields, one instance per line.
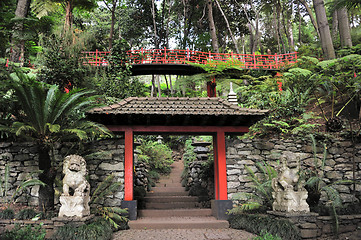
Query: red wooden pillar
x=128, y=165
x=216, y=177
x=221, y=167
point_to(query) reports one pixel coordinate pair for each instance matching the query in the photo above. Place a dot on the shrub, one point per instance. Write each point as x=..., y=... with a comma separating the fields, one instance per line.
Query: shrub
x=156, y=155
x=97, y=230
x=266, y=236
x=27, y=213
x=7, y=214
x=27, y=232
x=256, y=223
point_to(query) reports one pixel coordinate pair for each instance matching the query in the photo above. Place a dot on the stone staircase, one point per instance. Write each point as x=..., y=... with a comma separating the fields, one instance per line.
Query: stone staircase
x=168, y=206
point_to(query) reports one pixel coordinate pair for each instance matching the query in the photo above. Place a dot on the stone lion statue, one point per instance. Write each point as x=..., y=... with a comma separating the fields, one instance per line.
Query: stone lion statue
x=288, y=192
x=75, y=198
x=74, y=169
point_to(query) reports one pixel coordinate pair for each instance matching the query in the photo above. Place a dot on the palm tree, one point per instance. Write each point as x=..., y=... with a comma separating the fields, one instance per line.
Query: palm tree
x=48, y=116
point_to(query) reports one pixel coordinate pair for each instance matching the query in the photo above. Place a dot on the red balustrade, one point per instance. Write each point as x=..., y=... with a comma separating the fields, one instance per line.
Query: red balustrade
x=180, y=56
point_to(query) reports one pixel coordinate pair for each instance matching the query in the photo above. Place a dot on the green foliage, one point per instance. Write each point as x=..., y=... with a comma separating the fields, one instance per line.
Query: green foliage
x=116, y=81
x=316, y=180
x=51, y=115
x=62, y=65
x=7, y=214
x=261, y=197
x=27, y=232
x=264, y=235
x=157, y=156
x=114, y=215
x=189, y=155
x=27, y=213
x=97, y=230
x=256, y=223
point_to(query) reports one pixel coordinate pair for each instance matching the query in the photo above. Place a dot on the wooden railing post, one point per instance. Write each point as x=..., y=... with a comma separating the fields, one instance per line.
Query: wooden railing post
x=96, y=57
x=254, y=60
x=165, y=55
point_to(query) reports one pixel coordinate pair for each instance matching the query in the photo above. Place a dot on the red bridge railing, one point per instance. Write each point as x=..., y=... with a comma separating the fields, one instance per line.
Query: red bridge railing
x=179, y=56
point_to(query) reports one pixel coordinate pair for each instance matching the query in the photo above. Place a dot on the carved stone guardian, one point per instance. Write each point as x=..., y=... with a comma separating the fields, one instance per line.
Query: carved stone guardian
x=288, y=192
x=75, y=198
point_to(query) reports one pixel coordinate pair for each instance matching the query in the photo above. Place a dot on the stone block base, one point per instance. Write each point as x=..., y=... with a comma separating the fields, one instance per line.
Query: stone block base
x=132, y=208
x=220, y=208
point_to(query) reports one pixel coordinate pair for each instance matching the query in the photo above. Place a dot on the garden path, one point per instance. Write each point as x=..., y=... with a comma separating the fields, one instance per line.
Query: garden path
x=175, y=218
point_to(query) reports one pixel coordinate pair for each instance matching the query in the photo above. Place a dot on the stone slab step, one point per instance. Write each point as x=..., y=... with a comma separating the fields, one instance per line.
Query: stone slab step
x=177, y=184
x=178, y=223
x=171, y=205
x=153, y=194
x=168, y=189
x=193, y=212
x=168, y=199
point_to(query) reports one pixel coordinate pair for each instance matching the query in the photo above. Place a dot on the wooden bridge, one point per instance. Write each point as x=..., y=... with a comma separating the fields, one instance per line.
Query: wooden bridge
x=177, y=61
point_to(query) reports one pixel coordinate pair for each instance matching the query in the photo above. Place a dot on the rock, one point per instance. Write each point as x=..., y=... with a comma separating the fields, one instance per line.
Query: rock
x=110, y=167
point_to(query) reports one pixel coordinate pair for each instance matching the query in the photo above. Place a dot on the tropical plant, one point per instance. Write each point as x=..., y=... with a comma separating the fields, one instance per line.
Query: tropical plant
x=114, y=215
x=316, y=180
x=27, y=182
x=48, y=116
x=100, y=229
x=157, y=156
x=261, y=197
x=264, y=235
x=27, y=232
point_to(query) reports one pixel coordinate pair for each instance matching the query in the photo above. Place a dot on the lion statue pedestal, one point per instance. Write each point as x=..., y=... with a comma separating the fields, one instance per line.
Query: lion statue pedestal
x=75, y=198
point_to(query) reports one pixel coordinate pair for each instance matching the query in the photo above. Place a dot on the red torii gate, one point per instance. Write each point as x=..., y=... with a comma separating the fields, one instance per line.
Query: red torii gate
x=180, y=116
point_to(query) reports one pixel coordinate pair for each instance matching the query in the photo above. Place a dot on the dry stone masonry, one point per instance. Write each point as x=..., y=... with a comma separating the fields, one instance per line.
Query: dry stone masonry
x=339, y=162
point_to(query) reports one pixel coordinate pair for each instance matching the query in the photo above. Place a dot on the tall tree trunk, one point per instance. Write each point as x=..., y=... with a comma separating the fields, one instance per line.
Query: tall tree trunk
x=68, y=16
x=334, y=30
x=310, y=13
x=171, y=85
x=156, y=42
x=299, y=23
x=228, y=27
x=251, y=39
x=46, y=193
x=278, y=11
x=325, y=34
x=159, y=89
x=185, y=23
x=212, y=27
x=114, y=6
x=344, y=27
x=18, y=47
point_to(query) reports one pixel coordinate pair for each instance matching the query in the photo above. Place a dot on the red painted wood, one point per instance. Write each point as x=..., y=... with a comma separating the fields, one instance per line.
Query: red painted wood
x=181, y=56
x=216, y=176
x=128, y=165
x=179, y=129
x=221, y=166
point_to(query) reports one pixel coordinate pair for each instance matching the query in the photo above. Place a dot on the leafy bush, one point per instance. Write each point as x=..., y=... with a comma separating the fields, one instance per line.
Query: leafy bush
x=27, y=232
x=114, y=215
x=97, y=230
x=261, y=197
x=7, y=214
x=266, y=236
x=256, y=223
x=27, y=213
x=157, y=156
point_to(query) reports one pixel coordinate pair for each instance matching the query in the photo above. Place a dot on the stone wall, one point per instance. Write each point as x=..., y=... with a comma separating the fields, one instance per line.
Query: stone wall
x=339, y=163
x=22, y=159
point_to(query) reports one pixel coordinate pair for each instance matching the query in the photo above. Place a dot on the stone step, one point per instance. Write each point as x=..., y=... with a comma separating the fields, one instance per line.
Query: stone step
x=178, y=223
x=183, y=212
x=171, y=205
x=170, y=184
x=169, y=199
x=154, y=194
x=168, y=189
